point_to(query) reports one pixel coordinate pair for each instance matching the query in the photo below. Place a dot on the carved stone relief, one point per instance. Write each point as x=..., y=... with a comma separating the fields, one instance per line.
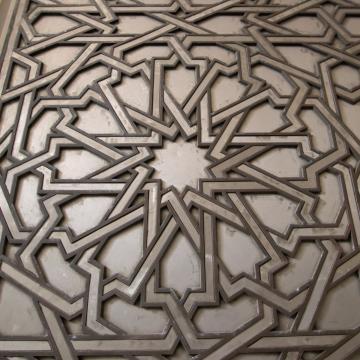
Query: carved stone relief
x=179, y=179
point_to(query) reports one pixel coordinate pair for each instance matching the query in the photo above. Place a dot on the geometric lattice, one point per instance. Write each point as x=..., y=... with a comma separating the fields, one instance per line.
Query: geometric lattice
x=179, y=179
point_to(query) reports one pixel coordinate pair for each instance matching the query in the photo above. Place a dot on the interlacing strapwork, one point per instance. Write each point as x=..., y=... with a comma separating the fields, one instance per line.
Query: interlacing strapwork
x=180, y=179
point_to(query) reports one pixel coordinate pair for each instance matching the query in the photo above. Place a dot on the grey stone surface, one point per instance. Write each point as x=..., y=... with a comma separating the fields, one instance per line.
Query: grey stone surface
x=179, y=179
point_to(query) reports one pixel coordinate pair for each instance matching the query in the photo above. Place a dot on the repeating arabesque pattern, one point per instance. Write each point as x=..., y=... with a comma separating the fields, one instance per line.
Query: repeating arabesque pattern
x=310, y=49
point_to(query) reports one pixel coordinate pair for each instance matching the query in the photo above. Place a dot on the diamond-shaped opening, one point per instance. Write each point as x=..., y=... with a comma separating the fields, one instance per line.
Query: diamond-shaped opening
x=77, y=163
x=85, y=212
x=301, y=57
x=292, y=164
x=262, y=119
x=238, y=251
x=180, y=266
x=134, y=91
x=225, y=91
x=123, y=251
x=179, y=81
x=275, y=211
x=98, y=120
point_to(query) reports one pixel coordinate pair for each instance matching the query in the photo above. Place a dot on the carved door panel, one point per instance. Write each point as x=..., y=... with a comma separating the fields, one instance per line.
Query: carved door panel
x=179, y=179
